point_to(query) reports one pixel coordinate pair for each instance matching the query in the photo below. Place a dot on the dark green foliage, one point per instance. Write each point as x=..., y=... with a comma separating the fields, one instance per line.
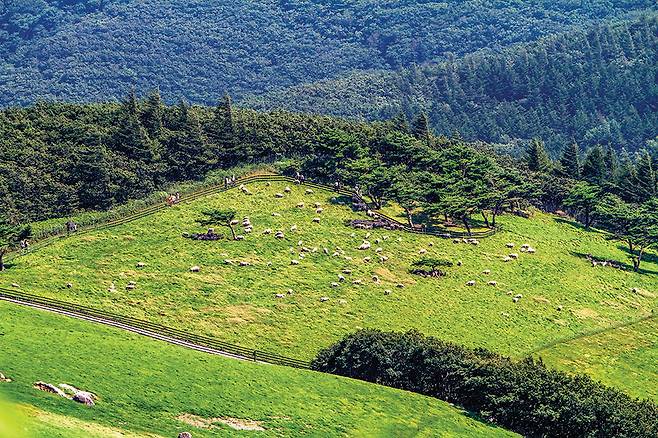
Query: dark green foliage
x=218, y=217
x=431, y=267
x=583, y=199
x=586, y=86
x=570, y=161
x=537, y=157
x=594, y=167
x=93, y=49
x=524, y=396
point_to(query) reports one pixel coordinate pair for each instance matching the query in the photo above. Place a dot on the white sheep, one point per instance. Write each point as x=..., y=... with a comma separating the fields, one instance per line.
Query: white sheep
x=470, y=283
x=365, y=245
x=300, y=205
x=195, y=269
x=294, y=262
x=287, y=189
x=275, y=214
x=493, y=283
x=510, y=245
x=267, y=231
x=319, y=210
x=278, y=195
x=316, y=220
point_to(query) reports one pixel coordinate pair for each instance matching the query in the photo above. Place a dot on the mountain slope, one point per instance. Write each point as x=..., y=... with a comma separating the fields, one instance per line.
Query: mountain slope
x=85, y=51
x=596, y=87
x=154, y=389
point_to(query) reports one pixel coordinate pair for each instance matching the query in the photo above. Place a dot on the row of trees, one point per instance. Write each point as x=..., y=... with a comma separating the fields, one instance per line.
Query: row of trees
x=525, y=397
x=616, y=192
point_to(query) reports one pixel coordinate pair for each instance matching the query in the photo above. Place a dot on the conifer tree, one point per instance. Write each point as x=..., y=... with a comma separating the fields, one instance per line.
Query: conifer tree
x=645, y=177
x=130, y=136
x=537, y=157
x=420, y=128
x=594, y=168
x=570, y=161
x=400, y=123
x=152, y=115
x=93, y=171
x=186, y=150
x=222, y=133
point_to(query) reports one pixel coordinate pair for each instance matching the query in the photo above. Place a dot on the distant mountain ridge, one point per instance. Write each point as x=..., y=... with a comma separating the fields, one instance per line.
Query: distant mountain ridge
x=596, y=86
x=92, y=50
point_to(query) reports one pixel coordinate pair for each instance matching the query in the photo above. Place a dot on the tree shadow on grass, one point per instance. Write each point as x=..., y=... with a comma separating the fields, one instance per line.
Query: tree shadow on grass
x=577, y=225
x=628, y=267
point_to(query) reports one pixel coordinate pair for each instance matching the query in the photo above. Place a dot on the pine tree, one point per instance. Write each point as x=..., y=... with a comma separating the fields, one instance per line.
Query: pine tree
x=94, y=178
x=645, y=177
x=594, y=169
x=420, y=128
x=570, y=161
x=537, y=157
x=222, y=133
x=186, y=150
x=611, y=164
x=152, y=115
x=130, y=136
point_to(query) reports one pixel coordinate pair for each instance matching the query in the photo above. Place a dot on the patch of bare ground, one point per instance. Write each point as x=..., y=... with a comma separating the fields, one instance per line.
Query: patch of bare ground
x=211, y=423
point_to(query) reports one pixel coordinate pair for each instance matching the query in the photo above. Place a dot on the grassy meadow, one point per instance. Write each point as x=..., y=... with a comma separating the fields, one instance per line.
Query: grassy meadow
x=562, y=294
x=150, y=389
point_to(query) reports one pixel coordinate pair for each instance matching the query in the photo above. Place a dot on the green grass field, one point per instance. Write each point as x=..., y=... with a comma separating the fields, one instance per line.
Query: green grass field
x=146, y=387
x=238, y=304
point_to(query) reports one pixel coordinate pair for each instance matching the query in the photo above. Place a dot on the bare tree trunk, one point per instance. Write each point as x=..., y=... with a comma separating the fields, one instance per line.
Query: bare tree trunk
x=486, y=219
x=638, y=260
x=232, y=231
x=2, y=263
x=409, y=218
x=466, y=224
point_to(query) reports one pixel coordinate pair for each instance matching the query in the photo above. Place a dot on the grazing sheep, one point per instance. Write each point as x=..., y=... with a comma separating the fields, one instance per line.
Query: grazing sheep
x=531, y=250
x=248, y=230
x=399, y=285
x=456, y=241
x=486, y=272
x=385, y=237
x=280, y=295
x=195, y=269
x=239, y=237
x=559, y=308
x=235, y=222
x=279, y=235
x=347, y=271
x=309, y=191
x=470, y=283
x=378, y=250
x=422, y=251
x=290, y=292
x=334, y=284
x=388, y=292
x=293, y=228
x=367, y=235
x=267, y=184
x=276, y=214
x=300, y=205
x=367, y=259
x=519, y=296
x=510, y=293
x=15, y=285
x=294, y=262
x=229, y=262
x=375, y=279
x=515, y=299
x=357, y=282
x=319, y=210
x=510, y=245
x=316, y=220
x=430, y=244
x=141, y=264
x=287, y=189
x=474, y=242
x=335, y=254
x=278, y=195
x=343, y=302
x=301, y=255
x=383, y=259
x=245, y=264
x=459, y=263
x=326, y=251
x=493, y=283
x=507, y=259
x=513, y=255
x=324, y=299
x=69, y=285
x=130, y=287
x=267, y=231
x=300, y=242
x=317, y=205
x=525, y=245
x=365, y=245
x=341, y=278
x=524, y=249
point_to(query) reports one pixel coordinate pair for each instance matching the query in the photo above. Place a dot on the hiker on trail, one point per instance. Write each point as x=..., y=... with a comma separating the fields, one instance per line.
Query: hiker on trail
x=71, y=227
x=25, y=244
x=233, y=179
x=226, y=182
x=337, y=186
x=302, y=178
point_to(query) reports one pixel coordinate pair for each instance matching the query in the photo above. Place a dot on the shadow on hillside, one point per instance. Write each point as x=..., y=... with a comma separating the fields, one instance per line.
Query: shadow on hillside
x=575, y=224
x=625, y=266
x=477, y=417
x=647, y=257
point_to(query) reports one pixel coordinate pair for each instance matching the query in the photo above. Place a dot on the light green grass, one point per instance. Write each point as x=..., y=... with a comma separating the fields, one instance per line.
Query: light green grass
x=238, y=304
x=144, y=385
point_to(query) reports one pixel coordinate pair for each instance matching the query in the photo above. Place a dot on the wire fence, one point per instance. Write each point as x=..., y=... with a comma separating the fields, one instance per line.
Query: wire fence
x=152, y=329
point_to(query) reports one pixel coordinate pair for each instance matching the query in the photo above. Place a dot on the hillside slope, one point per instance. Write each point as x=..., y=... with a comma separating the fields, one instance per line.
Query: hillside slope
x=84, y=50
x=563, y=295
x=151, y=389
x=595, y=87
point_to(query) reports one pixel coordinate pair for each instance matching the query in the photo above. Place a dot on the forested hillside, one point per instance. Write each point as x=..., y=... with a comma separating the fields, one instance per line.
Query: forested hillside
x=594, y=87
x=97, y=49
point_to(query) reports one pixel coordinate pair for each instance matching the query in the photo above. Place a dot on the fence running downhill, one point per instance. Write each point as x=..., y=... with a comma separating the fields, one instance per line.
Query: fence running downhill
x=146, y=328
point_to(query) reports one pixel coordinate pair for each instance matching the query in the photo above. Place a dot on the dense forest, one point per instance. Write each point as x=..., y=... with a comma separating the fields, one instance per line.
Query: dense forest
x=594, y=87
x=84, y=50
